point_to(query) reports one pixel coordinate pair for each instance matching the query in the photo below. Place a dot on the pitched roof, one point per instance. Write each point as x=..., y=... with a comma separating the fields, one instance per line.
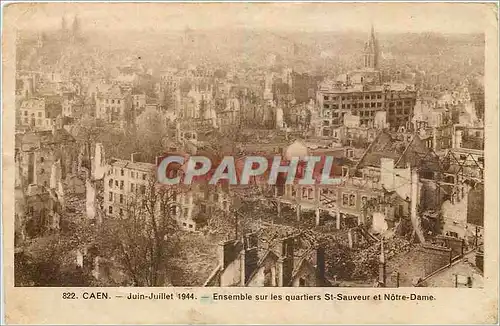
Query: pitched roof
x=414, y=153
x=418, y=154
x=383, y=146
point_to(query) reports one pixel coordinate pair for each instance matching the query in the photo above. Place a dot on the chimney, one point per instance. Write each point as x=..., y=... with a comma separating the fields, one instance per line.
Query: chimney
x=285, y=262
x=434, y=139
x=249, y=257
x=228, y=252
x=320, y=263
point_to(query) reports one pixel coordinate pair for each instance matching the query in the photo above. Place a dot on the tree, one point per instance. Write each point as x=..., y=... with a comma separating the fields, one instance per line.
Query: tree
x=143, y=241
x=49, y=261
x=151, y=130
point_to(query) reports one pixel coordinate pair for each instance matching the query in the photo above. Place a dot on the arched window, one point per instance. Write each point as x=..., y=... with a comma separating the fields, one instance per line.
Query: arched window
x=110, y=183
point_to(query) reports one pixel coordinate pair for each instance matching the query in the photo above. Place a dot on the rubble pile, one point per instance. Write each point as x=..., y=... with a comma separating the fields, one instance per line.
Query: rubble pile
x=366, y=260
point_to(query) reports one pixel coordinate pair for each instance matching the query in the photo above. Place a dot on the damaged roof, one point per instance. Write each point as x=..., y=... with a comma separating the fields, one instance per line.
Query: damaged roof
x=404, y=153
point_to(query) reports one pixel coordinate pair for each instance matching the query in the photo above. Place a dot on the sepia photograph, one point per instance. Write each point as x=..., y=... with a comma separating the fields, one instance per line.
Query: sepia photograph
x=250, y=162
x=249, y=145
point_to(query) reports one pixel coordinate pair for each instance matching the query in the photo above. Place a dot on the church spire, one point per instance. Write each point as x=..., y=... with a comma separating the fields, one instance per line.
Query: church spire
x=371, y=54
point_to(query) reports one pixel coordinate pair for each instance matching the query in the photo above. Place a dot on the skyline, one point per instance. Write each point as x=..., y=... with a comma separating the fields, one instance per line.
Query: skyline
x=444, y=18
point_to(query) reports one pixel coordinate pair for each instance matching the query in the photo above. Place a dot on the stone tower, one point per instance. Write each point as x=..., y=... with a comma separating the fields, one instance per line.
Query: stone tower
x=371, y=52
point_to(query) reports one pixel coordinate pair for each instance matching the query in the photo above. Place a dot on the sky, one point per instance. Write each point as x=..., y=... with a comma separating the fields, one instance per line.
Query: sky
x=386, y=17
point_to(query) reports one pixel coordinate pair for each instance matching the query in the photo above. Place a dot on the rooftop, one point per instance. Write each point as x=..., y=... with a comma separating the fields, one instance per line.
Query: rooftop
x=126, y=164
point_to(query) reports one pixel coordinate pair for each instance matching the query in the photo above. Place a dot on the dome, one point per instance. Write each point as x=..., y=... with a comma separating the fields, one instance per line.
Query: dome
x=296, y=149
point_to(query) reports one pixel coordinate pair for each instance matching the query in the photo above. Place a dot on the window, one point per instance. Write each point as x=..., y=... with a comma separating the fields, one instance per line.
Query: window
x=110, y=183
x=144, y=176
x=121, y=199
x=116, y=183
x=110, y=196
x=112, y=101
x=352, y=200
x=118, y=101
x=367, y=97
x=132, y=187
x=326, y=106
x=25, y=113
x=325, y=98
x=42, y=171
x=122, y=173
x=121, y=184
x=110, y=209
x=39, y=114
x=310, y=194
x=345, y=200
x=143, y=189
x=42, y=159
x=121, y=212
